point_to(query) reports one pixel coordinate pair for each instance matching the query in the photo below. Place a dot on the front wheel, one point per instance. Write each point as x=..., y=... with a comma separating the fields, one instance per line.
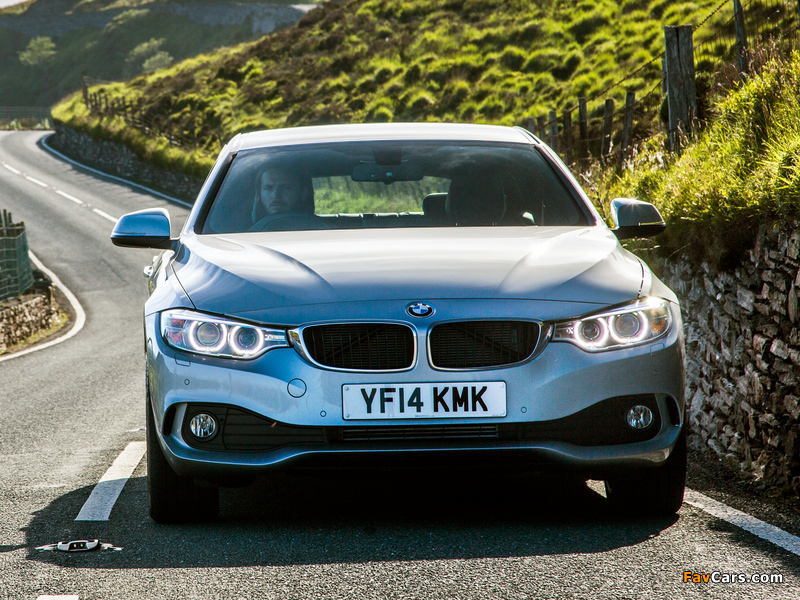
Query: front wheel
x=652, y=491
x=174, y=499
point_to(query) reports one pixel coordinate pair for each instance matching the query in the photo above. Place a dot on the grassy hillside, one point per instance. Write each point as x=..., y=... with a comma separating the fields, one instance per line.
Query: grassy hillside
x=743, y=170
x=493, y=61
x=45, y=45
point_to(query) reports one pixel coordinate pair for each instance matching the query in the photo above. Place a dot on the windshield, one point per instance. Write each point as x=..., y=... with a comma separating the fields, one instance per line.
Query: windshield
x=390, y=184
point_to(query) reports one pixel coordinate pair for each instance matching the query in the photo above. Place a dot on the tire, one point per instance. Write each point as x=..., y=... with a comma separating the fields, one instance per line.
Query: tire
x=174, y=499
x=654, y=492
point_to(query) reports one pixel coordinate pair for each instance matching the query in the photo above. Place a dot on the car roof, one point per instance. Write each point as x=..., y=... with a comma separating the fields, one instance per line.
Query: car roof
x=381, y=132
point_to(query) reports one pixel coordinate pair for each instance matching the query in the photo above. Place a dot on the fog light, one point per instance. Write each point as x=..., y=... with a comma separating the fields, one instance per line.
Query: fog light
x=203, y=426
x=640, y=417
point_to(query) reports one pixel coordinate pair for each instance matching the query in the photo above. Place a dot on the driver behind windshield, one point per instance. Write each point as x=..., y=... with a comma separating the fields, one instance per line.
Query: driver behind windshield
x=281, y=192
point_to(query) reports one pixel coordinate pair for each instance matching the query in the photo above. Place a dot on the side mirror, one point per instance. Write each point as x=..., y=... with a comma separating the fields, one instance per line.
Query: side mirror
x=147, y=228
x=635, y=219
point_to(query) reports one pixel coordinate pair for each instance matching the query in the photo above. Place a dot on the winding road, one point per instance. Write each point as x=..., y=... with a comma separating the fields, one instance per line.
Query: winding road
x=72, y=415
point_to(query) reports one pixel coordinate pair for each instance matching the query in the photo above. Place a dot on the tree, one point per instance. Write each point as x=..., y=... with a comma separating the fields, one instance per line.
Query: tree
x=38, y=52
x=160, y=60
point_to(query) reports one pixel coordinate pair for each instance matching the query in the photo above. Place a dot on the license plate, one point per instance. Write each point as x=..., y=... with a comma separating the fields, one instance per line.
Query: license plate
x=424, y=400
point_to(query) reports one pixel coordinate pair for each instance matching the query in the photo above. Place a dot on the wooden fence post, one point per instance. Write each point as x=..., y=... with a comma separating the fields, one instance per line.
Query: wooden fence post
x=553, y=123
x=627, y=126
x=608, y=123
x=583, y=125
x=85, y=89
x=568, y=137
x=532, y=121
x=681, y=90
x=741, y=40
x=540, y=126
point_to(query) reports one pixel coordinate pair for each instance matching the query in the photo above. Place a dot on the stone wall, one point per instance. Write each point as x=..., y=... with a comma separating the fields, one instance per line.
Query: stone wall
x=23, y=317
x=117, y=159
x=743, y=352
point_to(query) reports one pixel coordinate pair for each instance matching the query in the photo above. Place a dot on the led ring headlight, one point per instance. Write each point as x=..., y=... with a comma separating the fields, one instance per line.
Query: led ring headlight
x=217, y=336
x=637, y=323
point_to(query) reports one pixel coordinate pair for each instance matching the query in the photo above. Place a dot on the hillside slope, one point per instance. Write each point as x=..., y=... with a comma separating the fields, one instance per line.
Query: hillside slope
x=45, y=45
x=494, y=61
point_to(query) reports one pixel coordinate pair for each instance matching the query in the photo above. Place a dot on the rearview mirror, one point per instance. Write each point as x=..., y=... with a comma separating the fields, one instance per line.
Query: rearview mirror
x=635, y=219
x=387, y=173
x=147, y=228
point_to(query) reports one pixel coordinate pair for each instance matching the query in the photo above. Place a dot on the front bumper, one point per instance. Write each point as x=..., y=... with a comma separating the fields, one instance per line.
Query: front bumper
x=555, y=411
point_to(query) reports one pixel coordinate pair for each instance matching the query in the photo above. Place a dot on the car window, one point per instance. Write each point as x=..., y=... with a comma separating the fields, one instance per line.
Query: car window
x=390, y=184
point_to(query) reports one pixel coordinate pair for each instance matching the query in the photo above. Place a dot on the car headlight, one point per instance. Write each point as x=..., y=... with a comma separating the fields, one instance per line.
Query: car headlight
x=215, y=336
x=638, y=323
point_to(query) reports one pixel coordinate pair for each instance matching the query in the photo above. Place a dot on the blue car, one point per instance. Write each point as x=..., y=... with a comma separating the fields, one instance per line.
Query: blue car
x=434, y=296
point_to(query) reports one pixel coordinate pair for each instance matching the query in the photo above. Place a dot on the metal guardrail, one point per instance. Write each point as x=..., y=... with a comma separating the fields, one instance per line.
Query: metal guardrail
x=16, y=274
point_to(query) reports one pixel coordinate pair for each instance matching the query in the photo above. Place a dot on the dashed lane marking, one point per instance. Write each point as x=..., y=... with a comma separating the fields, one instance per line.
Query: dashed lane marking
x=36, y=181
x=104, y=495
x=61, y=193
x=765, y=531
x=105, y=215
x=68, y=197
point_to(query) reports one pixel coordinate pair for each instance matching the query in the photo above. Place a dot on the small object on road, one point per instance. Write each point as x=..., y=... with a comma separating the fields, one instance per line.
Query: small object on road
x=78, y=546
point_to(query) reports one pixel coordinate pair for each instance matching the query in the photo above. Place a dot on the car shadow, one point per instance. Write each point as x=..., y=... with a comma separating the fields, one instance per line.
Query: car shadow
x=311, y=519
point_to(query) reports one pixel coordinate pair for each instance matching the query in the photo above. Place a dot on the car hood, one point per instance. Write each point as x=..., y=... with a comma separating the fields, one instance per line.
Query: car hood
x=255, y=272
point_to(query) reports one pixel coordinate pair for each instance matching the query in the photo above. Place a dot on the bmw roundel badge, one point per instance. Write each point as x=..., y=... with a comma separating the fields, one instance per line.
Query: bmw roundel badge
x=419, y=309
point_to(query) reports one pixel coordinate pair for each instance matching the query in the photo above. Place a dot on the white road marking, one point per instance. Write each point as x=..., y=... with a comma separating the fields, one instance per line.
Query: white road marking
x=105, y=215
x=105, y=493
x=765, y=531
x=12, y=169
x=36, y=181
x=68, y=197
x=80, y=315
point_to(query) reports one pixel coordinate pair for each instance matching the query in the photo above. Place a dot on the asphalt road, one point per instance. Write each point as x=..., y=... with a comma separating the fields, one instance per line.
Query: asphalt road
x=67, y=413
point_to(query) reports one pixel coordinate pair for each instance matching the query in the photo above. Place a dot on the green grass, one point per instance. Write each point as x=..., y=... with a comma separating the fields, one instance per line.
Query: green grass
x=741, y=171
x=116, y=52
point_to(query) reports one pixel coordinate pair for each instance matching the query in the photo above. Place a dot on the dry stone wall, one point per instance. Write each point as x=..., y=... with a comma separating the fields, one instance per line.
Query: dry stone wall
x=21, y=318
x=119, y=160
x=743, y=357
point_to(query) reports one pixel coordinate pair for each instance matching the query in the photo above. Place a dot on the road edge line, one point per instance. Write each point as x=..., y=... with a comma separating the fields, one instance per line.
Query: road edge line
x=80, y=315
x=106, y=492
x=52, y=150
x=742, y=520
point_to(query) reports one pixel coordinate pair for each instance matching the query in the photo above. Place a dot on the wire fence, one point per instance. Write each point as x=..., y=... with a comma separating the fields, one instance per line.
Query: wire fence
x=610, y=134
x=185, y=134
x=16, y=274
